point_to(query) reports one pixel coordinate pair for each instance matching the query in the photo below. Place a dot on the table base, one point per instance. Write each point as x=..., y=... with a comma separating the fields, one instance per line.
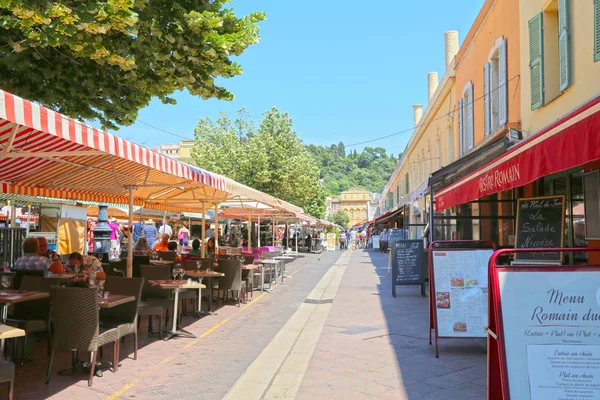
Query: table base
x=179, y=333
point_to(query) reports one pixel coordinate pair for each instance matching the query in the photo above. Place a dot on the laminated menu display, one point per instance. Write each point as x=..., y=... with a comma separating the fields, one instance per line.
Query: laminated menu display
x=461, y=292
x=548, y=326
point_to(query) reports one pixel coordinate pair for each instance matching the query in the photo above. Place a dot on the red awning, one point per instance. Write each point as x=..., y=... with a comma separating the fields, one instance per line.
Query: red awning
x=571, y=141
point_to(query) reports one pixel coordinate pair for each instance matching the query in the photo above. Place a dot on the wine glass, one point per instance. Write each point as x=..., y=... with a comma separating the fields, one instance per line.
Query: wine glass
x=76, y=268
x=100, y=256
x=6, y=279
x=181, y=273
x=198, y=265
x=100, y=287
x=174, y=272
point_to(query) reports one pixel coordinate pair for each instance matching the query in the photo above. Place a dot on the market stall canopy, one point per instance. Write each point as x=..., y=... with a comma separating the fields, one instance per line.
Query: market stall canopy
x=48, y=154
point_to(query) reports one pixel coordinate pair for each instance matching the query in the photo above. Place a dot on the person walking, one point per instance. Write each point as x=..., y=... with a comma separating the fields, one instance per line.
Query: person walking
x=150, y=232
x=114, y=236
x=183, y=236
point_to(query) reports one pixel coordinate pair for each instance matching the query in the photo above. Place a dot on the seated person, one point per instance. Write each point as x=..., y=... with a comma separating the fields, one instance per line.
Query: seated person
x=56, y=267
x=195, y=247
x=141, y=247
x=163, y=245
x=172, y=246
x=235, y=241
x=86, y=264
x=31, y=259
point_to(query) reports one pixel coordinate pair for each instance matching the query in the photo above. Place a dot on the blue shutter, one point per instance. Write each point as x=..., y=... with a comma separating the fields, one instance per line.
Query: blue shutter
x=487, y=104
x=470, y=114
x=502, y=84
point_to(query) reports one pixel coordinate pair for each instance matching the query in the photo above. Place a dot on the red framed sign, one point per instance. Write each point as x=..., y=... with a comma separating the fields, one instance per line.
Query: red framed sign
x=544, y=330
x=458, y=282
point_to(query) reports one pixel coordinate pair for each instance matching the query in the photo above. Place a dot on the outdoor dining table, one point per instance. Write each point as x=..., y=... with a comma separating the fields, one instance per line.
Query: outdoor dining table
x=161, y=262
x=176, y=287
x=273, y=264
x=285, y=259
x=9, y=332
x=200, y=274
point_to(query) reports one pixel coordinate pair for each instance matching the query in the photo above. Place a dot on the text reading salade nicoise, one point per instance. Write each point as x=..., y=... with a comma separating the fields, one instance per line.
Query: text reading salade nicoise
x=556, y=297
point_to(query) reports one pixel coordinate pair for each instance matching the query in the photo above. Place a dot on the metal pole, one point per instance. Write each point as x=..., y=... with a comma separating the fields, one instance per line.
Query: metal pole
x=203, y=234
x=249, y=236
x=287, y=235
x=28, y=218
x=258, y=235
x=296, y=238
x=216, y=229
x=130, y=241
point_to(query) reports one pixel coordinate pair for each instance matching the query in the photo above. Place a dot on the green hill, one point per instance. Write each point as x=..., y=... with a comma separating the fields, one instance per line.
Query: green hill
x=368, y=170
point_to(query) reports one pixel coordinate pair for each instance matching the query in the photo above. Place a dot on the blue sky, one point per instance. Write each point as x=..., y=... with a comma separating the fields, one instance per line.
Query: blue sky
x=345, y=70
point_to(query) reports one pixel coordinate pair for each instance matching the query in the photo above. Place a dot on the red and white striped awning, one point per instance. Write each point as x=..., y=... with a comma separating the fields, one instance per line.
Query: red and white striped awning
x=44, y=153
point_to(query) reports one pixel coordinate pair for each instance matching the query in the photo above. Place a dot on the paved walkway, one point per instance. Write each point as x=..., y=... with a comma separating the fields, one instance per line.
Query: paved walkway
x=375, y=346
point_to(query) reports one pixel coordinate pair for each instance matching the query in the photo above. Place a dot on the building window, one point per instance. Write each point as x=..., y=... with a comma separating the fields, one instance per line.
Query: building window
x=549, y=54
x=495, y=88
x=465, y=119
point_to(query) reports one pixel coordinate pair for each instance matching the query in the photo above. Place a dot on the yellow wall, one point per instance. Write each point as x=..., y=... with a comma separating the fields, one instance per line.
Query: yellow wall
x=499, y=18
x=584, y=71
x=354, y=202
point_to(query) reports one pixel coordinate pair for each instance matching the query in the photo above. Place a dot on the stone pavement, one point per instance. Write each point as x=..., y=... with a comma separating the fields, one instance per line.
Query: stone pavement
x=202, y=368
x=374, y=346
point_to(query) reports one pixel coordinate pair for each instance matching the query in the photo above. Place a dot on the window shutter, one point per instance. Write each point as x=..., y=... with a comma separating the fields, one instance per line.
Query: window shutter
x=536, y=60
x=461, y=130
x=502, y=84
x=470, y=126
x=487, y=110
x=596, y=30
x=406, y=181
x=563, y=44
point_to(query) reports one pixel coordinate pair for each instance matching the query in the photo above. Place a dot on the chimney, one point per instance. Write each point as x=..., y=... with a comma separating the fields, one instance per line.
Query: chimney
x=418, y=109
x=451, y=45
x=432, y=84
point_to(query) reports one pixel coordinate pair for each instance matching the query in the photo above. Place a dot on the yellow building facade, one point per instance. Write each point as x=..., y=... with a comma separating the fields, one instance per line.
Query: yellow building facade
x=355, y=203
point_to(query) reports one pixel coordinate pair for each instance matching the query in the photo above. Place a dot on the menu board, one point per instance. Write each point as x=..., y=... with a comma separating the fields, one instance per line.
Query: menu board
x=396, y=235
x=460, y=279
x=540, y=224
x=407, y=262
x=331, y=241
x=375, y=241
x=551, y=333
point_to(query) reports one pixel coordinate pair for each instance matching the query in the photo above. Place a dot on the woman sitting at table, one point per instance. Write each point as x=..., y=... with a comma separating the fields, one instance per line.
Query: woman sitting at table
x=163, y=245
x=172, y=246
x=141, y=247
x=211, y=249
x=195, y=247
x=86, y=263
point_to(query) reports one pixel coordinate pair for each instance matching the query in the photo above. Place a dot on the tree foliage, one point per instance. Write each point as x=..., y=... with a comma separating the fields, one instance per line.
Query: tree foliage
x=340, y=218
x=106, y=59
x=270, y=158
x=368, y=170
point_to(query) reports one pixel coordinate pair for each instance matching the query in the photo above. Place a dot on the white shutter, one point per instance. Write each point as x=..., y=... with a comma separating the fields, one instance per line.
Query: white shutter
x=470, y=125
x=502, y=85
x=487, y=109
x=461, y=126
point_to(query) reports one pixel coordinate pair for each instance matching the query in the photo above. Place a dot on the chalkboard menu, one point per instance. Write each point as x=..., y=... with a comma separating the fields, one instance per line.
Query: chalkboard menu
x=540, y=224
x=407, y=263
x=397, y=234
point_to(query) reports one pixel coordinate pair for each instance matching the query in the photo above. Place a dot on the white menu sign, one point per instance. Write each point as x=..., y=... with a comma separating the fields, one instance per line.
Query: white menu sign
x=551, y=333
x=461, y=292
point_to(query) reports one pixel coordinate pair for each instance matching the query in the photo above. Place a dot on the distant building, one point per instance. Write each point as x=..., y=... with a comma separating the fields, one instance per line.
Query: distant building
x=333, y=205
x=355, y=202
x=171, y=150
x=181, y=151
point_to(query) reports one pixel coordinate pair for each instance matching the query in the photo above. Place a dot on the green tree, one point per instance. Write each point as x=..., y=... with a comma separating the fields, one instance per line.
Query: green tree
x=271, y=158
x=340, y=218
x=106, y=60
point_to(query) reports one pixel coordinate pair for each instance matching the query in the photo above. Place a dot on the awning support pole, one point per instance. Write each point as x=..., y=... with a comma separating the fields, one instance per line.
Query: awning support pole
x=258, y=235
x=216, y=229
x=130, y=241
x=203, y=235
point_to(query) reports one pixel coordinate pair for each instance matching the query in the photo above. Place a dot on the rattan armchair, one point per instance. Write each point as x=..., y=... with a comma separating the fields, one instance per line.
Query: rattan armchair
x=232, y=281
x=76, y=325
x=7, y=374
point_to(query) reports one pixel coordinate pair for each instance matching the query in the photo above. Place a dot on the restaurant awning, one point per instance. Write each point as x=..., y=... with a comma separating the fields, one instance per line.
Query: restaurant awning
x=390, y=215
x=569, y=142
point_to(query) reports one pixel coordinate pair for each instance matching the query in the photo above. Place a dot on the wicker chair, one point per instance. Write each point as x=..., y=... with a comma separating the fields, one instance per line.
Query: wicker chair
x=138, y=261
x=76, y=325
x=154, y=299
x=167, y=255
x=124, y=317
x=7, y=374
x=115, y=268
x=33, y=316
x=20, y=273
x=232, y=281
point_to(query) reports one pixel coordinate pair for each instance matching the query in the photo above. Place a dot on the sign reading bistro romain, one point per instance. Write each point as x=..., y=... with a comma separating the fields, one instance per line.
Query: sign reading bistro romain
x=550, y=332
x=540, y=224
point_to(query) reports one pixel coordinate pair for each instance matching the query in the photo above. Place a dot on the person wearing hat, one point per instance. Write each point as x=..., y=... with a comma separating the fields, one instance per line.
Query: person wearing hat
x=150, y=232
x=114, y=235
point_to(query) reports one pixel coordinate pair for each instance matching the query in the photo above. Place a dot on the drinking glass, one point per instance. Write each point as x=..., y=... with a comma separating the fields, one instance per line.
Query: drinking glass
x=100, y=287
x=76, y=268
x=6, y=279
x=175, y=273
x=198, y=265
x=100, y=256
x=181, y=272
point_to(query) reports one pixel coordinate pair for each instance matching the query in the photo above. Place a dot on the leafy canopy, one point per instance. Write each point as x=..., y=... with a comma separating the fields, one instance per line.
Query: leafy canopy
x=368, y=170
x=340, y=218
x=106, y=59
x=270, y=158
